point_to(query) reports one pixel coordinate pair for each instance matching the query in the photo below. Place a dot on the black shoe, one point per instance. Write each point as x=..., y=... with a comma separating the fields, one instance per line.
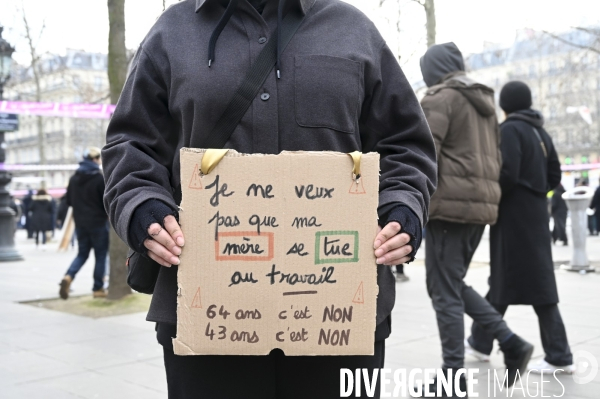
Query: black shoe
x=442, y=393
x=517, y=353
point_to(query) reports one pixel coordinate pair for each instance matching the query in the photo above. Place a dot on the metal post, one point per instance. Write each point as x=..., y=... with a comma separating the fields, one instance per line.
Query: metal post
x=8, y=252
x=578, y=199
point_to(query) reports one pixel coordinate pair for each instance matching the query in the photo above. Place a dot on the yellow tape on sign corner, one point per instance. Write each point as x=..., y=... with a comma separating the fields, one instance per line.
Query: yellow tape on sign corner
x=211, y=159
x=356, y=155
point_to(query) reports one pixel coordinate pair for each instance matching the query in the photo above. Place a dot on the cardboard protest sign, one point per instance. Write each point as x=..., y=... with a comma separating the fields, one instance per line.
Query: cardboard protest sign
x=278, y=254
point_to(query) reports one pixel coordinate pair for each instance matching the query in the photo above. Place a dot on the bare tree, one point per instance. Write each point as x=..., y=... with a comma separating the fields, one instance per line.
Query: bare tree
x=117, y=73
x=398, y=20
x=594, y=45
x=36, y=70
x=430, y=23
x=117, y=53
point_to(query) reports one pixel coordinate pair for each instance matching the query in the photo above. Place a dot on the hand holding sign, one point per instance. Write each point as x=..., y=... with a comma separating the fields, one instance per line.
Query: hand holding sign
x=165, y=246
x=390, y=247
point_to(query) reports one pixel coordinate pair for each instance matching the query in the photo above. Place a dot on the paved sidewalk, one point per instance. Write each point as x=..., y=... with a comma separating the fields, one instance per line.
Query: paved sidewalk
x=52, y=355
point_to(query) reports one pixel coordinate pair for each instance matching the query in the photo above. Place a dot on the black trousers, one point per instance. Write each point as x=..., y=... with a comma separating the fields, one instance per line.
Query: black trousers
x=448, y=253
x=552, y=331
x=274, y=376
x=559, y=232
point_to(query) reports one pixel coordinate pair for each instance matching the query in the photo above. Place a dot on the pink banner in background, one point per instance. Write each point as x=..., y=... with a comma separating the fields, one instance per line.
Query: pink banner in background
x=99, y=111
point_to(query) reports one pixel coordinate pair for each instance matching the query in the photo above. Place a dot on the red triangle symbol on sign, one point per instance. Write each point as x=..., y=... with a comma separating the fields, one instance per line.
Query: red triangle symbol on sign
x=195, y=182
x=359, y=297
x=357, y=187
x=197, y=302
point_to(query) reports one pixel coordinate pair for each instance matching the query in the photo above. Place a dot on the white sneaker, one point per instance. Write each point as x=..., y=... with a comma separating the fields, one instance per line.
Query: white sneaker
x=547, y=368
x=482, y=357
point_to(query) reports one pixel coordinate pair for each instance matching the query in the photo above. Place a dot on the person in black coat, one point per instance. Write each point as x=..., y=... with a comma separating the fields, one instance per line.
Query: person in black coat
x=595, y=205
x=25, y=206
x=41, y=214
x=84, y=194
x=522, y=270
x=559, y=214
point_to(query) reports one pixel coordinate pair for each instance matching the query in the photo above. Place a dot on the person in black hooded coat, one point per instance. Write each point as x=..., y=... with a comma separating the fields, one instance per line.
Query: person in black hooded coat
x=522, y=270
x=41, y=215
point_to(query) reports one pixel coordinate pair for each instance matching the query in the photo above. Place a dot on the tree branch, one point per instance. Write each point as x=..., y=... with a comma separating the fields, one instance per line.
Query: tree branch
x=595, y=32
x=570, y=43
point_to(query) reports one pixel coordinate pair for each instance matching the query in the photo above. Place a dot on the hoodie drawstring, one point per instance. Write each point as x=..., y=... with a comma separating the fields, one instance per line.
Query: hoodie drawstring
x=279, y=19
x=229, y=11
x=219, y=28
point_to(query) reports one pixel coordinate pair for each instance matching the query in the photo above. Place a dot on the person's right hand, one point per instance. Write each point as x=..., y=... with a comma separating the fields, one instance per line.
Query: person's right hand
x=165, y=245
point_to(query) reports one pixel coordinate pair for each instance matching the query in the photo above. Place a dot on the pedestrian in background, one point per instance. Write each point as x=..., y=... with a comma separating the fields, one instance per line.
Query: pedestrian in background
x=41, y=216
x=25, y=206
x=595, y=206
x=14, y=204
x=84, y=194
x=462, y=119
x=591, y=220
x=559, y=215
x=522, y=271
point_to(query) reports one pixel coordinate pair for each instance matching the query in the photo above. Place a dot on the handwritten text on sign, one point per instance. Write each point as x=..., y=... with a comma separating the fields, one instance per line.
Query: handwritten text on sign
x=279, y=254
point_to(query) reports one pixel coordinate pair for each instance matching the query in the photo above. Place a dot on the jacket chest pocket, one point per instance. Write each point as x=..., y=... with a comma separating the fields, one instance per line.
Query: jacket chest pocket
x=327, y=92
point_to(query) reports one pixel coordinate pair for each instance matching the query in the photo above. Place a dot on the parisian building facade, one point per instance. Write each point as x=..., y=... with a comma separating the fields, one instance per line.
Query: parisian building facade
x=564, y=76
x=77, y=77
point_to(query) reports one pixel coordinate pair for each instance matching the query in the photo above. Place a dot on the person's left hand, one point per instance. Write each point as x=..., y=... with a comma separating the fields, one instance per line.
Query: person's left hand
x=390, y=247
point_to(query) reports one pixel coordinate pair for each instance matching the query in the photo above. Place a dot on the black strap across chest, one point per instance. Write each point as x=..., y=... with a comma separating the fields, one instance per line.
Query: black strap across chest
x=253, y=81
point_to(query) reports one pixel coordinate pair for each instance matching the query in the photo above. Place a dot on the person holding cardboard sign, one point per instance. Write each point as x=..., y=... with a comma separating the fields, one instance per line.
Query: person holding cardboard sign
x=319, y=77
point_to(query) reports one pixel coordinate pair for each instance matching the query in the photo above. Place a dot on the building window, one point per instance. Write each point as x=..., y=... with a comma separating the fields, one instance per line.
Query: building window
x=98, y=83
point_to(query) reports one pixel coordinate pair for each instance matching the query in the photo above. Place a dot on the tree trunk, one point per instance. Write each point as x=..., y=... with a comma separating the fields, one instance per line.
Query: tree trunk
x=117, y=54
x=117, y=279
x=430, y=24
x=117, y=72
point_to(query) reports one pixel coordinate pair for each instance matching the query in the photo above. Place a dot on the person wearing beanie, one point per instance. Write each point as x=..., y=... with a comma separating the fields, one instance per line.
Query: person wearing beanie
x=84, y=194
x=462, y=118
x=522, y=270
x=515, y=96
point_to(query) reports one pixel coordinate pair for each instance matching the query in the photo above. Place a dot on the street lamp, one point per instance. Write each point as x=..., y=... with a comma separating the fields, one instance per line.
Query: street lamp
x=6, y=51
x=8, y=251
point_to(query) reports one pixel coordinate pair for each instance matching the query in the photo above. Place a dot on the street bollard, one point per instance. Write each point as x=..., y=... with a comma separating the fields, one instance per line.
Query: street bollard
x=578, y=200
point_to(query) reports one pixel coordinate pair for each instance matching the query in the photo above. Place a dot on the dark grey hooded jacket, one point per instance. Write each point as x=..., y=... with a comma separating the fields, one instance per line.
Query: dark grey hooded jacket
x=341, y=89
